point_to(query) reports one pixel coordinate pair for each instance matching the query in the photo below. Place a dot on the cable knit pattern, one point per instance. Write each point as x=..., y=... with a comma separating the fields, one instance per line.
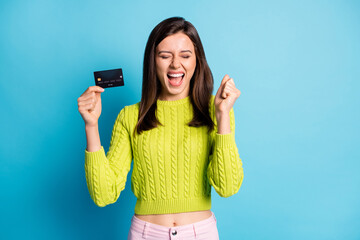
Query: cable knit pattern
x=186, y=157
x=149, y=168
x=141, y=174
x=161, y=166
x=234, y=170
x=174, y=165
x=198, y=179
x=136, y=178
x=220, y=167
x=173, y=153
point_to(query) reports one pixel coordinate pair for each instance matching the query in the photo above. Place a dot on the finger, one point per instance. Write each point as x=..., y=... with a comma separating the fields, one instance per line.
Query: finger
x=95, y=89
x=231, y=82
x=230, y=91
x=91, y=106
x=227, y=88
x=225, y=93
x=87, y=95
x=86, y=107
x=225, y=78
x=88, y=101
x=230, y=86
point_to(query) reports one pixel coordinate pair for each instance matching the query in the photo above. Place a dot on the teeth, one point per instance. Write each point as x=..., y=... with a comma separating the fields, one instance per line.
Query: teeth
x=176, y=75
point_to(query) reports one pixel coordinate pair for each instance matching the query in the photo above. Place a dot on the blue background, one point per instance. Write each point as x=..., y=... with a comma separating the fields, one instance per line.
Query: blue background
x=296, y=63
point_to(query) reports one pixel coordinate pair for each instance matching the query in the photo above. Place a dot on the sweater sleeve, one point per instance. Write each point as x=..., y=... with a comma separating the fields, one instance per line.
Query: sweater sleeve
x=106, y=174
x=225, y=172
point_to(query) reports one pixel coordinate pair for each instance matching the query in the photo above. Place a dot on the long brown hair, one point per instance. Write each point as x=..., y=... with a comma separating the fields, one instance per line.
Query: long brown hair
x=201, y=84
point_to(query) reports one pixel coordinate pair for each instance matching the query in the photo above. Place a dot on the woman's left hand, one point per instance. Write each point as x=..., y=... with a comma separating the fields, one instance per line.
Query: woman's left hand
x=226, y=96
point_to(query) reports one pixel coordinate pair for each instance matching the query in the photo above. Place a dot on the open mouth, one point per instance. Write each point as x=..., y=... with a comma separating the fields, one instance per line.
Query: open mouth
x=176, y=79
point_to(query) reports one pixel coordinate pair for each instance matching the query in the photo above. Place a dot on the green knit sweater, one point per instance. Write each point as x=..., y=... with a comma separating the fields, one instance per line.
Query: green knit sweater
x=174, y=165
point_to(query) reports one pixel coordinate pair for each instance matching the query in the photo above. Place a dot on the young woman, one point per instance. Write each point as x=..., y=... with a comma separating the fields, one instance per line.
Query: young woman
x=180, y=136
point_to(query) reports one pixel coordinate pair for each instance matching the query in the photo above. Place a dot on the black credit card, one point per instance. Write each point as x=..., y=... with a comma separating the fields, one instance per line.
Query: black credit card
x=109, y=78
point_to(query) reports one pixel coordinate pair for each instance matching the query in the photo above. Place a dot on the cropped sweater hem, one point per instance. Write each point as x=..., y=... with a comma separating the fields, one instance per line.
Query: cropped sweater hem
x=172, y=205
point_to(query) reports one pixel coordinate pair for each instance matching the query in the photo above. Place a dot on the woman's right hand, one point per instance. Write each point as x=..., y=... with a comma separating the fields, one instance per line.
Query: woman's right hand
x=89, y=105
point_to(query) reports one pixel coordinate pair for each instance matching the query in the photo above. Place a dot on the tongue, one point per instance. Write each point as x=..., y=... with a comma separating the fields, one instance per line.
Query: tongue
x=175, y=80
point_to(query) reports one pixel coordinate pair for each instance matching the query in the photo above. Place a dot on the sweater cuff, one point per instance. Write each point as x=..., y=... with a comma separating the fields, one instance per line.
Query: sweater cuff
x=91, y=156
x=224, y=140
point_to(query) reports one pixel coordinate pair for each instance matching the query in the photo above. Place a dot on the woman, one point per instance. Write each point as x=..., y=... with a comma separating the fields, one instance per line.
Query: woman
x=180, y=136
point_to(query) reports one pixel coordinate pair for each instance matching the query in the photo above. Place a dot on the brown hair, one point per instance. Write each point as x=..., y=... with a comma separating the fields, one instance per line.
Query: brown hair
x=201, y=84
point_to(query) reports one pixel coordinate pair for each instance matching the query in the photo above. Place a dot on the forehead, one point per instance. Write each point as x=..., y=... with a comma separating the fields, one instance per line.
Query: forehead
x=176, y=42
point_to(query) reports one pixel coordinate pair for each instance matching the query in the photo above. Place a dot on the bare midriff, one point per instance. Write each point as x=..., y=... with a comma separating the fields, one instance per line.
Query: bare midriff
x=176, y=219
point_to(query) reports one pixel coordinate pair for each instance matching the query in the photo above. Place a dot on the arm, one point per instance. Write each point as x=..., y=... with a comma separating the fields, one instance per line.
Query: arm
x=106, y=174
x=225, y=172
x=92, y=138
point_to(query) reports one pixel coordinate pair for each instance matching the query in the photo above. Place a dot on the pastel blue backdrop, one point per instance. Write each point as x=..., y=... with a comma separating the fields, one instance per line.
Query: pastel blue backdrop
x=296, y=64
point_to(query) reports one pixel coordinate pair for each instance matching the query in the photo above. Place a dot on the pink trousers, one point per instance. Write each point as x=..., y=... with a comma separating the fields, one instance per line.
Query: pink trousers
x=204, y=229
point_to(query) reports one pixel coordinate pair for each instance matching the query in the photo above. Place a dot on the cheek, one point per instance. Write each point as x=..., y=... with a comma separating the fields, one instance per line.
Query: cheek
x=160, y=67
x=159, y=70
x=191, y=65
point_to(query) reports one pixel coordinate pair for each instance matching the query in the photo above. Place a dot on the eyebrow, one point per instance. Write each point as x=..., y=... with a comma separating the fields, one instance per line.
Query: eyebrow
x=171, y=52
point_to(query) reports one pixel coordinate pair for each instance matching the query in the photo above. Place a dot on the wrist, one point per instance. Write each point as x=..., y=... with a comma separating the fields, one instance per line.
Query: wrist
x=222, y=115
x=91, y=126
x=223, y=123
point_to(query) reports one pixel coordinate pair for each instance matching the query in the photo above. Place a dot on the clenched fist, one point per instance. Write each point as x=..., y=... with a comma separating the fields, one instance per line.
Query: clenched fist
x=226, y=96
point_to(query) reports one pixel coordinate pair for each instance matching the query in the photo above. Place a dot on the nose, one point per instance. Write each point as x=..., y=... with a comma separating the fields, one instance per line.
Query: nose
x=175, y=63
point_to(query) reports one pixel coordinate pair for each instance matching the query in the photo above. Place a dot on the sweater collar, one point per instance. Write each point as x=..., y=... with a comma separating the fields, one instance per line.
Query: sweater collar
x=182, y=101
